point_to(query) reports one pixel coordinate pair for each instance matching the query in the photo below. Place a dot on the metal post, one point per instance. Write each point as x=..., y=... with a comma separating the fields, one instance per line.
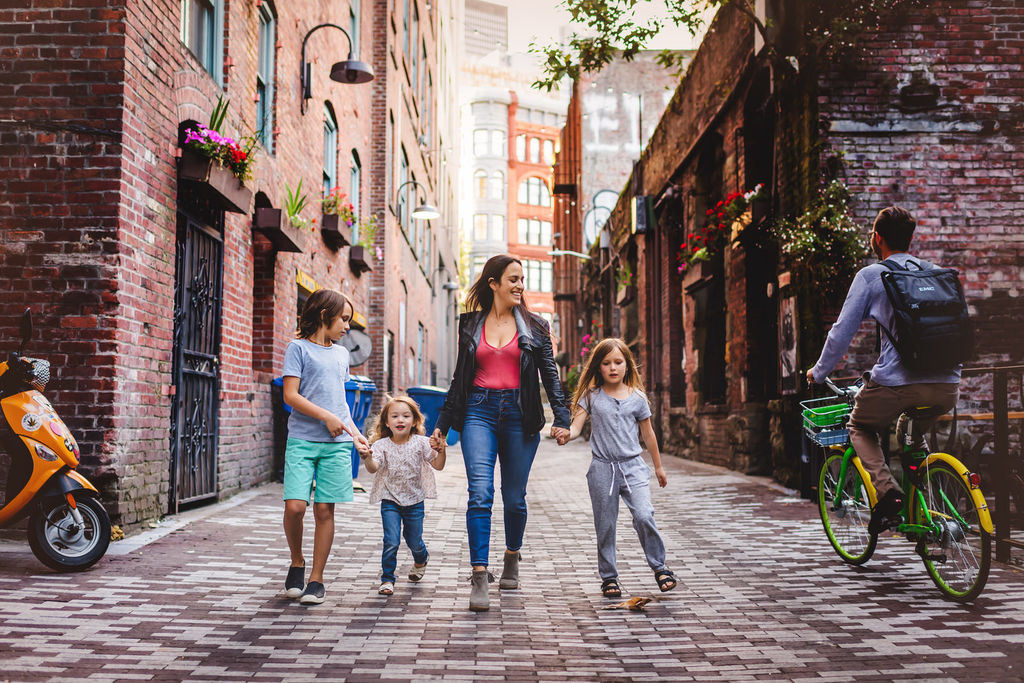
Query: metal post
x=1002, y=464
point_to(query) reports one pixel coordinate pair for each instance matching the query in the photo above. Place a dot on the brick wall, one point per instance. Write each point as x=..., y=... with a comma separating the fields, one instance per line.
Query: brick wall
x=955, y=163
x=98, y=95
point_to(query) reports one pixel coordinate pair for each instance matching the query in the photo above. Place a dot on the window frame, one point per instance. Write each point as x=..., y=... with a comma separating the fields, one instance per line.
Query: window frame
x=330, y=160
x=266, y=75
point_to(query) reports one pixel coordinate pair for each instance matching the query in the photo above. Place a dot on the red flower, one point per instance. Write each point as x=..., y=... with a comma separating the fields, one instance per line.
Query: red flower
x=710, y=211
x=721, y=226
x=690, y=236
x=696, y=248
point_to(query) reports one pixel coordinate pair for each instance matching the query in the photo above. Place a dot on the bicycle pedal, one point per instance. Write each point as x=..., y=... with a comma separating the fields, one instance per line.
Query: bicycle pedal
x=941, y=559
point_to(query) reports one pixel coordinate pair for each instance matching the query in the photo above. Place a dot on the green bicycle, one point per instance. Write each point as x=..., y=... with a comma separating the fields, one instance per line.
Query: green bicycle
x=944, y=511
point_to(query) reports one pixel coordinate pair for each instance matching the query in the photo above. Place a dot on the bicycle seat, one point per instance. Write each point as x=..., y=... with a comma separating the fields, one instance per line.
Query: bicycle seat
x=919, y=412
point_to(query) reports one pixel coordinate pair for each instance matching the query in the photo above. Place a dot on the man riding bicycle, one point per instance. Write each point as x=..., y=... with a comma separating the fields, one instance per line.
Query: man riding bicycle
x=890, y=388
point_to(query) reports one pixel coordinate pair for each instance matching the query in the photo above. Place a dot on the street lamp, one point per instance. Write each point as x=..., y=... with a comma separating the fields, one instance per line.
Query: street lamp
x=423, y=212
x=350, y=71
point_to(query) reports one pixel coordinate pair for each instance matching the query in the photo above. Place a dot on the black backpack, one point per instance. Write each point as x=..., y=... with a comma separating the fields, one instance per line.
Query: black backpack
x=933, y=330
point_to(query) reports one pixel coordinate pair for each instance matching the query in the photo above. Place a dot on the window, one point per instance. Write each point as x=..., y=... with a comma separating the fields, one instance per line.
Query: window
x=355, y=178
x=413, y=226
x=353, y=26
x=410, y=46
x=496, y=188
x=497, y=228
x=478, y=266
x=201, y=29
x=403, y=199
x=480, y=227
x=534, y=231
x=534, y=150
x=481, y=139
x=534, y=191
x=549, y=152
x=330, y=149
x=421, y=339
x=538, y=275
x=521, y=147
x=265, y=78
x=488, y=143
x=480, y=184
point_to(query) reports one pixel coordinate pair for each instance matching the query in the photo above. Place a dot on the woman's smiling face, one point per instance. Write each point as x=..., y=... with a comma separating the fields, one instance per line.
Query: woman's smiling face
x=509, y=291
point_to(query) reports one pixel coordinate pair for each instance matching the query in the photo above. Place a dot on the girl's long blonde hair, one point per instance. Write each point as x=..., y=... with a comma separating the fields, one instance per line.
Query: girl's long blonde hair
x=590, y=375
x=381, y=429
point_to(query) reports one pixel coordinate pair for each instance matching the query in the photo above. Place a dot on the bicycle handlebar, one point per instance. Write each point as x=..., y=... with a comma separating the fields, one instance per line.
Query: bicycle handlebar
x=845, y=392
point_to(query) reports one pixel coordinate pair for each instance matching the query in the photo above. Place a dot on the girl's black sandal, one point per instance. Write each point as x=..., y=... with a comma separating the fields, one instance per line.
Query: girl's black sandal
x=666, y=580
x=610, y=588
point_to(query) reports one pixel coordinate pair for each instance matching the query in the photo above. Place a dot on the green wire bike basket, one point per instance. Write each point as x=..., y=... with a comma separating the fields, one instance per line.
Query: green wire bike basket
x=825, y=420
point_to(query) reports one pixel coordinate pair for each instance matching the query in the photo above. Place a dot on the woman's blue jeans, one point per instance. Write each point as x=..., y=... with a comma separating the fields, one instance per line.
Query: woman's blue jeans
x=394, y=516
x=493, y=430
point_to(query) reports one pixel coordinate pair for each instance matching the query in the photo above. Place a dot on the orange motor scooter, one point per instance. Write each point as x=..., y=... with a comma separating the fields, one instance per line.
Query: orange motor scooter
x=68, y=528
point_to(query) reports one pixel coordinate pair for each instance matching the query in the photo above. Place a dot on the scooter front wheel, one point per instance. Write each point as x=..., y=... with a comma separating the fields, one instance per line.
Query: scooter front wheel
x=62, y=543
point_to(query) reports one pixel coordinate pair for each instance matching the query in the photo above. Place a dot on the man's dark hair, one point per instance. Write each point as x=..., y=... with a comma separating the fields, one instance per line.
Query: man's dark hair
x=896, y=226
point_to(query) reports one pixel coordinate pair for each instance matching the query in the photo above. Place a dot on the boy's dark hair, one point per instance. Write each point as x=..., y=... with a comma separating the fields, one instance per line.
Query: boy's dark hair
x=896, y=226
x=322, y=308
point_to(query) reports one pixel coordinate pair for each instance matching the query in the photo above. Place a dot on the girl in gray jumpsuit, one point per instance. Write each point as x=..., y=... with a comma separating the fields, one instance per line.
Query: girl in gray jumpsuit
x=610, y=391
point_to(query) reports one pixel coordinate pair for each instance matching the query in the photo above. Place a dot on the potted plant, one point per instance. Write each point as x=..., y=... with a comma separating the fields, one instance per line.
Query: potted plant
x=359, y=257
x=284, y=227
x=626, y=284
x=339, y=215
x=220, y=163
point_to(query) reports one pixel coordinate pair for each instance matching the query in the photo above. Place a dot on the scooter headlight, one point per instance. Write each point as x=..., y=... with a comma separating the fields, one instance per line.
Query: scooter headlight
x=45, y=453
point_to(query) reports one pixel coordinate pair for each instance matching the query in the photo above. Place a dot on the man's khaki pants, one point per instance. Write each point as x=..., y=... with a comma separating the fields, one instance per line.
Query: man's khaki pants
x=877, y=406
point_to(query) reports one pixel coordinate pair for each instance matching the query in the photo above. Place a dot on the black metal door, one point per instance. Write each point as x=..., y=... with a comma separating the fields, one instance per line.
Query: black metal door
x=197, y=310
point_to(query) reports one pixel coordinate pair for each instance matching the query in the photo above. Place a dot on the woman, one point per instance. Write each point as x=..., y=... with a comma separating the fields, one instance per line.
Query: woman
x=494, y=401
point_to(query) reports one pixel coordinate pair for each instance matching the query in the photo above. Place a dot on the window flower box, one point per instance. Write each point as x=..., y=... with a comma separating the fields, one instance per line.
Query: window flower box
x=335, y=230
x=626, y=295
x=359, y=259
x=274, y=224
x=217, y=181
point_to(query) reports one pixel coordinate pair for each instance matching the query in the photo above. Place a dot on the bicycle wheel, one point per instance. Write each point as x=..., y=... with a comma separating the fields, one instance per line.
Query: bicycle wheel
x=959, y=553
x=845, y=511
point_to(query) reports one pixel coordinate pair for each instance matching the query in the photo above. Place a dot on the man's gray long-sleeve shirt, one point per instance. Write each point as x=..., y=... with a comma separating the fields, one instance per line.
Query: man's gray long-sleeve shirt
x=867, y=299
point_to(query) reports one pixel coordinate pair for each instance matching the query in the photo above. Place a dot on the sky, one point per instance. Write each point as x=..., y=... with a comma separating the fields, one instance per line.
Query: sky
x=542, y=20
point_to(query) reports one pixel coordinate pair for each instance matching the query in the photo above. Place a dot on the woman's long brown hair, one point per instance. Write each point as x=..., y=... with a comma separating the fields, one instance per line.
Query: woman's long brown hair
x=590, y=376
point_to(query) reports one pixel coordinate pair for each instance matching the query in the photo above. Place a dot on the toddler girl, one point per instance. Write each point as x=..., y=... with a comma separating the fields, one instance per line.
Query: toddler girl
x=610, y=391
x=402, y=459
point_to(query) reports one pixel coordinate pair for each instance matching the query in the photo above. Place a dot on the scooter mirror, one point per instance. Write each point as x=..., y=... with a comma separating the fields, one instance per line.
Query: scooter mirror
x=26, y=329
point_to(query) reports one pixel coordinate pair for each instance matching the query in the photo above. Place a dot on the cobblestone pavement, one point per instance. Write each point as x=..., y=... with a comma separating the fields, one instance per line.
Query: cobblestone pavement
x=761, y=596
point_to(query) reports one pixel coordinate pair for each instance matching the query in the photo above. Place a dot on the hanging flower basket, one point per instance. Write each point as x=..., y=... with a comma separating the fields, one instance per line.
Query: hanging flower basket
x=274, y=224
x=359, y=259
x=216, y=180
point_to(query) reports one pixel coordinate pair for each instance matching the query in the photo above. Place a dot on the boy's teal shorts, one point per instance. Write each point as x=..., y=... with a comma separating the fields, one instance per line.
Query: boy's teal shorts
x=328, y=462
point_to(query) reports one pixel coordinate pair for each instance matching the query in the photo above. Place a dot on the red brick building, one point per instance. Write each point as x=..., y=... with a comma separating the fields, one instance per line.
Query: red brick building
x=164, y=313
x=923, y=113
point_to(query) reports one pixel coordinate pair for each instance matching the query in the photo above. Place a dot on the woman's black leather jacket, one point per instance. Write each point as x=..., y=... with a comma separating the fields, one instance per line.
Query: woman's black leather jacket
x=535, y=357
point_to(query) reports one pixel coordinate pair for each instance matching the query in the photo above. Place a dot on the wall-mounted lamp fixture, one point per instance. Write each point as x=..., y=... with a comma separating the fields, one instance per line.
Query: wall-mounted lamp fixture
x=566, y=252
x=350, y=71
x=423, y=212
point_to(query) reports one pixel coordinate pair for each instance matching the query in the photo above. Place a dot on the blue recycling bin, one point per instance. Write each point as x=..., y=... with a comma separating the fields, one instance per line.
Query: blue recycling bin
x=359, y=396
x=430, y=400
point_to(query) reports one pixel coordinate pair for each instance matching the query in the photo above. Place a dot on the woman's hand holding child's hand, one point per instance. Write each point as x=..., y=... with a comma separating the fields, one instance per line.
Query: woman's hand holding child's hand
x=362, y=445
x=437, y=441
x=660, y=474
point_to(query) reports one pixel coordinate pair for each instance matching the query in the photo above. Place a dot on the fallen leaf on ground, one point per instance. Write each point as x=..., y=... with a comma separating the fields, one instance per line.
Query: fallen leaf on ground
x=636, y=604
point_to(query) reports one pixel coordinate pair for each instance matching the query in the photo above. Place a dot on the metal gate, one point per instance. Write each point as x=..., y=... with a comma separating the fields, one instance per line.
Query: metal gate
x=199, y=265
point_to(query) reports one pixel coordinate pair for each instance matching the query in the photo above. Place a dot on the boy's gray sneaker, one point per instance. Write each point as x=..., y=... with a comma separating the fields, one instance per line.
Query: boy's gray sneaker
x=295, y=581
x=313, y=595
x=510, y=573
x=479, y=601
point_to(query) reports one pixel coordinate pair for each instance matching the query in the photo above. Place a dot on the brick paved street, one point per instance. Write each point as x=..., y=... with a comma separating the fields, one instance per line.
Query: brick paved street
x=762, y=596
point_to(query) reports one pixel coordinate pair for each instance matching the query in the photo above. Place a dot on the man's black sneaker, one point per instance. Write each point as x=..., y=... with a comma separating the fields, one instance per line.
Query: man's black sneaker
x=314, y=594
x=295, y=581
x=886, y=511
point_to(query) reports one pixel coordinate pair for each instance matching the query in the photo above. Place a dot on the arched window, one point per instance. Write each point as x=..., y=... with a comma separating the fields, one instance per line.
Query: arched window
x=497, y=186
x=330, y=148
x=480, y=184
x=534, y=192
